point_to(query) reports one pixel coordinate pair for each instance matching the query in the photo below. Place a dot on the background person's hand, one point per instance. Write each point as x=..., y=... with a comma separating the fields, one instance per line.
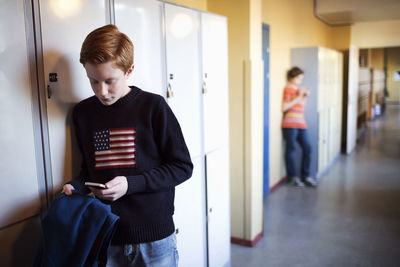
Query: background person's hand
x=67, y=189
x=115, y=189
x=304, y=92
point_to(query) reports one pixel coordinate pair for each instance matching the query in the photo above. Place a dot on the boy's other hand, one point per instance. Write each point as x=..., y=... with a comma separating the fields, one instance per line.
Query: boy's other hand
x=67, y=189
x=115, y=189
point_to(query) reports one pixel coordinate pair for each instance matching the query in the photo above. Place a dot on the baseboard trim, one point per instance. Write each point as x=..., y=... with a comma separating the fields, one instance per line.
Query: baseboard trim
x=247, y=243
x=275, y=186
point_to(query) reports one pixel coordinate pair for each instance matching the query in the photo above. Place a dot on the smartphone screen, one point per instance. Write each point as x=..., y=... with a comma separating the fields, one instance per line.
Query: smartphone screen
x=97, y=185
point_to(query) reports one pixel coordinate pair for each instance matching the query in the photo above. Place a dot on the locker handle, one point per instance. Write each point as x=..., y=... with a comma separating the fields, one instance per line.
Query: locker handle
x=170, y=93
x=48, y=91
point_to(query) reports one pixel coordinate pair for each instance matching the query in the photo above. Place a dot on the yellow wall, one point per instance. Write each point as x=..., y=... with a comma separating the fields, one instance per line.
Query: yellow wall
x=254, y=110
x=199, y=4
x=292, y=24
x=376, y=56
x=340, y=38
x=238, y=40
x=393, y=64
x=238, y=52
x=372, y=58
x=246, y=109
x=376, y=34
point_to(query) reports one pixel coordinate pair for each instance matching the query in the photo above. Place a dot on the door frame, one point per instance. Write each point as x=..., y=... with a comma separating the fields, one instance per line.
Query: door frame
x=266, y=57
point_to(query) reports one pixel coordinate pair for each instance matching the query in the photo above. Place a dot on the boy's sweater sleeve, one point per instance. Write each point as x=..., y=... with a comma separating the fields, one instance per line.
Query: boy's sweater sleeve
x=78, y=182
x=176, y=166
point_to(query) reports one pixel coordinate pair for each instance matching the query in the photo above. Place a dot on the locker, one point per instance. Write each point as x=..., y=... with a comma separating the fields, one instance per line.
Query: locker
x=189, y=49
x=322, y=73
x=189, y=218
x=207, y=101
x=183, y=70
x=141, y=20
x=20, y=187
x=170, y=48
x=217, y=172
x=216, y=136
x=23, y=188
x=214, y=41
x=63, y=32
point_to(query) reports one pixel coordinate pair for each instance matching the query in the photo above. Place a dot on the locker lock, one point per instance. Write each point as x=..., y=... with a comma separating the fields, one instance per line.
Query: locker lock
x=204, y=88
x=53, y=77
x=170, y=93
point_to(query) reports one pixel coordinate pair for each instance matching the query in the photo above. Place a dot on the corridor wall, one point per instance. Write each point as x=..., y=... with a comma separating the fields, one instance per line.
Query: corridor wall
x=393, y=85
x=378, y=34
x=298, y=27
x=246, y=116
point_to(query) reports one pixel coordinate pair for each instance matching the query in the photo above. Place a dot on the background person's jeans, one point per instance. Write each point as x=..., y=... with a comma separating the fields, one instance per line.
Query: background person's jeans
x=291, y=136
x=161, y=253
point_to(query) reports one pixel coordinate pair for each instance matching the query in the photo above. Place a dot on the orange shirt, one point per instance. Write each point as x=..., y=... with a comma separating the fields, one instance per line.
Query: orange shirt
x=294, y=117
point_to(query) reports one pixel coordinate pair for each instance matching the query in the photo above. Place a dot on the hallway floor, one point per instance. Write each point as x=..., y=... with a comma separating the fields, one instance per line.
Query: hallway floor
x=351, y=219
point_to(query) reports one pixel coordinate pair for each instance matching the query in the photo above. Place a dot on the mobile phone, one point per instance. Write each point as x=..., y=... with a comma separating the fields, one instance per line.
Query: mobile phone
x=97, y=185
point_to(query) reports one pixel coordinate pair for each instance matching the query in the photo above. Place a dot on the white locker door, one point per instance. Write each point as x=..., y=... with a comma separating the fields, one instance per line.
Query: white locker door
x=64, y=28
x=183, y=71
x=214, y=35
x=218, y=197
x=19, y=191
x=189, y=219
x=331, y=134
x=141, y=21
x=340, y=103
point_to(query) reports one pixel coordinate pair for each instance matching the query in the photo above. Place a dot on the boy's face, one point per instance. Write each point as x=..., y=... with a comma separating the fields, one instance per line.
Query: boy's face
x=108, y=81
x=297, y=80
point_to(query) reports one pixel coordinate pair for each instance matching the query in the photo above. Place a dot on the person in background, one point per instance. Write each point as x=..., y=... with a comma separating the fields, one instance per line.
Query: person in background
x=295, y=128
x=132, y=144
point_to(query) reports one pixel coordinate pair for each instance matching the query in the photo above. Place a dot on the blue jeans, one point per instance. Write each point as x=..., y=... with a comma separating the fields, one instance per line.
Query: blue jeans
x=291, y=136
x=160, y=253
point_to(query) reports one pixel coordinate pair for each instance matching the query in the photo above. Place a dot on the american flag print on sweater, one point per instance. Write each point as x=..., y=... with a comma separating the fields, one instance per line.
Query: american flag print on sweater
x=115, y=148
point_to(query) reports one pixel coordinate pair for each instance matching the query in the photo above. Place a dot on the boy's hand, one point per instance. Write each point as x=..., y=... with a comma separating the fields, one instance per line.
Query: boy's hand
x=115, y=189
x=67, y=189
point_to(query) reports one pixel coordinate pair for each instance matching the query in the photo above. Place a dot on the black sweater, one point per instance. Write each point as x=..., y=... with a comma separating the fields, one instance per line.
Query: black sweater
x=138, y=137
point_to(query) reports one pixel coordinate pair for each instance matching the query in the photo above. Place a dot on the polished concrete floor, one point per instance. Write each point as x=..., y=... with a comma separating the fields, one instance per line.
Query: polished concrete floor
x=351, y=219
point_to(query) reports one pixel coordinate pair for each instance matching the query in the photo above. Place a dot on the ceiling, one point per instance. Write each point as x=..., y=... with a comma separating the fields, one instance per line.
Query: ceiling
x=347, y=12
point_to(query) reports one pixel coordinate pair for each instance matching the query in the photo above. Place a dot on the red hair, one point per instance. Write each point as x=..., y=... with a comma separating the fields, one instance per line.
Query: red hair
x=105, y=44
